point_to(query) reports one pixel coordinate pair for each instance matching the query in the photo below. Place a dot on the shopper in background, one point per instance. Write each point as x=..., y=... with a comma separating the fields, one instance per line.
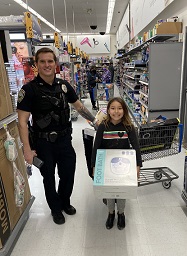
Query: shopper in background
x=111, y=69
x=93, y=79
x=47, y=98
x=108, y=137
x=106, y=76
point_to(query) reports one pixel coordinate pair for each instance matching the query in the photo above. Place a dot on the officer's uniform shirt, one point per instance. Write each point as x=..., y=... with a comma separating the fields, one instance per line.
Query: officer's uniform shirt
x=26, y=98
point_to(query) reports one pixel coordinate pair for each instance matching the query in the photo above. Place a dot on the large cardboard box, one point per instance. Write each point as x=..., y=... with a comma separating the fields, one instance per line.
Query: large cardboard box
x=5, y=99
x=9, y=212
x=115, y=174
x=169, y=28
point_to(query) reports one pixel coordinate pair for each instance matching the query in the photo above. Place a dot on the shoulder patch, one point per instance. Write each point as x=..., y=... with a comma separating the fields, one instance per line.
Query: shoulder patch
x=21, y=95
x=64, y=88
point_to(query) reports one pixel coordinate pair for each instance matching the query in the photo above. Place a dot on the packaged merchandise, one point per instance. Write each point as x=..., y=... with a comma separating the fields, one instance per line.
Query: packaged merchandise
x=115, y=174
x=13, y=201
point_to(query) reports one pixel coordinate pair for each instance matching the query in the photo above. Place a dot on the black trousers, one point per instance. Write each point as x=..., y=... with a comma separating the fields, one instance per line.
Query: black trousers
x=61, y=154
x=91, y=92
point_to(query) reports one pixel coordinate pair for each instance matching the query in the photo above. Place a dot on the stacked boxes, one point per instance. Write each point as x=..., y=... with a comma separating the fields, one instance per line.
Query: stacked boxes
x=169, y=28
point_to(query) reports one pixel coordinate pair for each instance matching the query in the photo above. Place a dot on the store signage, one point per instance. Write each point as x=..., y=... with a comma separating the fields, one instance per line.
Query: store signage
x=28, y=24
x=36, y=28
x=4, y=216
x=58, y=40
x=121, y=51
x=33, y=27
x=94, y=43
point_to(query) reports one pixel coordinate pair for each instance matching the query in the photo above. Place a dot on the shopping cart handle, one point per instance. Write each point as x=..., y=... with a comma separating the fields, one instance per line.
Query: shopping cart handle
x=180, y=136
x=94, y=125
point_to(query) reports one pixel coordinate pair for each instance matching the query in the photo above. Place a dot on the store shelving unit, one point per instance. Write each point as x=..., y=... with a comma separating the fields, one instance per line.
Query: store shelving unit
x=159, y=93
x=10, y=243
x=8, y=247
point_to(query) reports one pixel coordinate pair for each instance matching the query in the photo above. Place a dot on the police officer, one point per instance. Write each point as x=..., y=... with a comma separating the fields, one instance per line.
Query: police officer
x=47, y=98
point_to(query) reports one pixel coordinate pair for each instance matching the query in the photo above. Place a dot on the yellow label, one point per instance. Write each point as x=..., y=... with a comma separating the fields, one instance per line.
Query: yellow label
x=28, y=24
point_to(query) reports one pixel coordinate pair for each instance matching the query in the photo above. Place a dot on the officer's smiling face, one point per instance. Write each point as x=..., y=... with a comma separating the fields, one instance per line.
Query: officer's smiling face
x=46, y=65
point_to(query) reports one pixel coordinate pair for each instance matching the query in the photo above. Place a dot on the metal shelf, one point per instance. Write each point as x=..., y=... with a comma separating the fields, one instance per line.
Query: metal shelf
x=132, y=77
x=143, y=93
x=156, y=38
x=8, y=119
x=142, y=115
x=131, y=87
x=143, y=103
x=142, y=82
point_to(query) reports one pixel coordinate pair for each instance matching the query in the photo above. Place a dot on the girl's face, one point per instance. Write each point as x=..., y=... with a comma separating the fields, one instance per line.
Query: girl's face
x=115, y=112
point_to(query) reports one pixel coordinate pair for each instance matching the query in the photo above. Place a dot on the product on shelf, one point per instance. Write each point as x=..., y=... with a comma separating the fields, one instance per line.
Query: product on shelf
x=5, y=98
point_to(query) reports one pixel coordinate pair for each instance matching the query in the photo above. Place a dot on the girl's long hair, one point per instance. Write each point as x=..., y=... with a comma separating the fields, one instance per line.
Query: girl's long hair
x=126, y=117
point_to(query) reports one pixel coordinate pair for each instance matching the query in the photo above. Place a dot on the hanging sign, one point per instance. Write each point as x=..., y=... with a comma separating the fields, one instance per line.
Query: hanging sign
x=58, y=40
x=28, y=24
x=33, y=27
x=94, y=43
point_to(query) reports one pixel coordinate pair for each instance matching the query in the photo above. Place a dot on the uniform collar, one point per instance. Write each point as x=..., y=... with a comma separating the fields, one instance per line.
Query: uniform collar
x=42, y=82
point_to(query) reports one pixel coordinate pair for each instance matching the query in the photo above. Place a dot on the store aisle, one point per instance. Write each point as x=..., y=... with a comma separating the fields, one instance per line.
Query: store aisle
x=156, y=222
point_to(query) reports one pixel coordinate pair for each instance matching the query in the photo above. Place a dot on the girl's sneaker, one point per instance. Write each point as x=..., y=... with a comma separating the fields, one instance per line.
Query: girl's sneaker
x=121, y=221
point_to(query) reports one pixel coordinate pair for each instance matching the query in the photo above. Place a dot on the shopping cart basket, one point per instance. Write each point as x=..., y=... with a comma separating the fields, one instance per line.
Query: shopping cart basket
x=102, y=94
x=157, y=141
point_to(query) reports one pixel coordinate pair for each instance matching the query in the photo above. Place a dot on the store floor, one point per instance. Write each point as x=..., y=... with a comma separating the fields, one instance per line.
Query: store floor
x=156, y=222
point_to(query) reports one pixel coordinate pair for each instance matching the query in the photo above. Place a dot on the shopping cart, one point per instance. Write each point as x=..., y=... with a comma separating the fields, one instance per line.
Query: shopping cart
x=102, y=94
x=157, y=141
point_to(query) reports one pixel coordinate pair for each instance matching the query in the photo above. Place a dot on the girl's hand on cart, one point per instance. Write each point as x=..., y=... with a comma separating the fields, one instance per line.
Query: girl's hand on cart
x=138, y=172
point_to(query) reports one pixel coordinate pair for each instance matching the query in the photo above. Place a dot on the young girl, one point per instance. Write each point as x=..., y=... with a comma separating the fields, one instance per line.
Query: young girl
x=108, y=137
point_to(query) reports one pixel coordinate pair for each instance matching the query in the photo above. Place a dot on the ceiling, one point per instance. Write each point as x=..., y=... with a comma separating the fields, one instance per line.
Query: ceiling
x=81, y=14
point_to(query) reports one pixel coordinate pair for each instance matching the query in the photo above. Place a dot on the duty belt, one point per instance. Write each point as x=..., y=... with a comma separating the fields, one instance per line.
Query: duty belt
x=53, y=135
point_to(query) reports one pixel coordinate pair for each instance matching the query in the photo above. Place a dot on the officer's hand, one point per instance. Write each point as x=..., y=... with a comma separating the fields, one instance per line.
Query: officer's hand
x=29, y=155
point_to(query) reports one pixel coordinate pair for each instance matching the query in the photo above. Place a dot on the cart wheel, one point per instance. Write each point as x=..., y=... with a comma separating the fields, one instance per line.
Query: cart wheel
x=166, y=184
x=158, y=175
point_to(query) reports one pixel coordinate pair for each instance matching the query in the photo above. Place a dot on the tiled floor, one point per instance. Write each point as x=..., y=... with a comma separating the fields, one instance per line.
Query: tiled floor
x=156, y=222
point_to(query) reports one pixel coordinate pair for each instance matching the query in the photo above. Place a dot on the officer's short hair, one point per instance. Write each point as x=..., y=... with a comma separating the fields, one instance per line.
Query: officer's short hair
x=44, y=50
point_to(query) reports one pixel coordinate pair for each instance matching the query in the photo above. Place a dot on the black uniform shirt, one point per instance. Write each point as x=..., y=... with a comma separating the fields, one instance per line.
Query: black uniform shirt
x=26, y=97
x=116, y=137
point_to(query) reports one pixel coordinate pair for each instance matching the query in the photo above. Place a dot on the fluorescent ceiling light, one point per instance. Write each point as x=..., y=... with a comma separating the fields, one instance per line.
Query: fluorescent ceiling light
x=111, y=4
x=24, y=5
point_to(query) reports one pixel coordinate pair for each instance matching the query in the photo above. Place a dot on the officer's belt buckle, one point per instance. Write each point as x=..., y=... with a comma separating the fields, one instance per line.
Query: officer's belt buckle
x=53, y=136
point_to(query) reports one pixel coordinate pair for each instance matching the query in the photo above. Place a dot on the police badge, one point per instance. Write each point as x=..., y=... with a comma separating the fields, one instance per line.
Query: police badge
x=64, y=88
x=21, y=95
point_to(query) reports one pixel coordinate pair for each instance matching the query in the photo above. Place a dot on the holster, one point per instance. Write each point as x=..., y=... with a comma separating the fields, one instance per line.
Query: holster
x=53, y=135
x=32, y=138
